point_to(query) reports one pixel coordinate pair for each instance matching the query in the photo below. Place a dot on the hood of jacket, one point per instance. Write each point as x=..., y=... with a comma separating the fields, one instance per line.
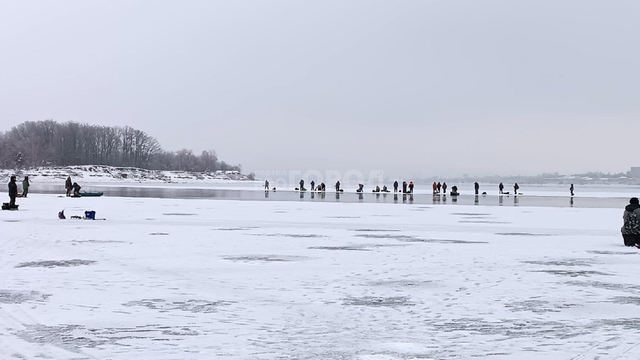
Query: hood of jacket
x=632, y=207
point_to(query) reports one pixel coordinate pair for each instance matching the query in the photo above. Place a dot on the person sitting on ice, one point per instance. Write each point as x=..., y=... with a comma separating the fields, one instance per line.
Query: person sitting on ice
x=377, y=189
x=338, y=186
x=360, y=188
x=323, y=187
x=454, y=190
x=384, y=188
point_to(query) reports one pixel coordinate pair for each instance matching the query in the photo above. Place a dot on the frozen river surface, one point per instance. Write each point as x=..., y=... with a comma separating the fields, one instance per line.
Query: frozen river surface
x=203, y=279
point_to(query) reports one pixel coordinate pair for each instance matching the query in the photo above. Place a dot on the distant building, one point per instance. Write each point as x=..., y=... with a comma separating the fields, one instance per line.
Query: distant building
x=634, y=172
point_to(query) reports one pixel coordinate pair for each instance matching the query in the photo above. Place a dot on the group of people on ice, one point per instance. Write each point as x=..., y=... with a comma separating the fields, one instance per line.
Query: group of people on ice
x=72, y=187
x=13, y=190
x=407, y=188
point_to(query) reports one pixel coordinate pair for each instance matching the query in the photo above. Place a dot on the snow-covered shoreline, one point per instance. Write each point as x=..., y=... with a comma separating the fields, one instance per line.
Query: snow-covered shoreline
x=202, y=279
x=124, y=175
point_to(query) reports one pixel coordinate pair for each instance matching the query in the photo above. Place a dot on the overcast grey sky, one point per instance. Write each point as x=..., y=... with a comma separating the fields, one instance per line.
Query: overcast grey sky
x=408, y=87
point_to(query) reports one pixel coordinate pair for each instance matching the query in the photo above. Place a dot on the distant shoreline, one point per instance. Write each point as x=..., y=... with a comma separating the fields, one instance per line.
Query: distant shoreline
x=103, y=174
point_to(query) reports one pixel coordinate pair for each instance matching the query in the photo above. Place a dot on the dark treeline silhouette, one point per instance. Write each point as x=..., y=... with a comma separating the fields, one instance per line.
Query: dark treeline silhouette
x=48, y=143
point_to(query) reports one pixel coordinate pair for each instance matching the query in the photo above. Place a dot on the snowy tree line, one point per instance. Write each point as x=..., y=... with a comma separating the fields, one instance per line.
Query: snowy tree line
x=49, y=143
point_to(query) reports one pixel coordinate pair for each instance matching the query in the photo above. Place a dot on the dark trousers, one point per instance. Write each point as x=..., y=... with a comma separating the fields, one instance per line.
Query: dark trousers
x=631, y=239
x=25, y=191
x=12, y=201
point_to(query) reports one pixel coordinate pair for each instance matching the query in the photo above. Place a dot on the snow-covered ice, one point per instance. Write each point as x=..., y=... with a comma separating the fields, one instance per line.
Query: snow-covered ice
x=205, y=279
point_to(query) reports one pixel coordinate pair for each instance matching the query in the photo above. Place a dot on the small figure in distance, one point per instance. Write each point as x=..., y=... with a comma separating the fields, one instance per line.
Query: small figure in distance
x=377, y=189
x=439, y=187
x=631, y=227
x=266, y=185
x=323, y=187
x=302, y=185
x=501, y=188
x=395, y=186
x=454, y=191
x=444, y=188
x=434, y=187
x=338, y=186
x=384, y=188
x=411, y=187
x=25, y=186
x=404, y=187
x=477, y=187
x=313, y=188
x=571, y=189
x=68, y=185
x=515, y=189
x=360, y=188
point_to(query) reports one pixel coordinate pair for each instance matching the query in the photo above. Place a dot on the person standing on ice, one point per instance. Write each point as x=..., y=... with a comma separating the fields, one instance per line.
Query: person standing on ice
x=571, y=189
x=266, y=184
x=13, y=191
x=25, y=186
x=301, y=184
x=434, y=186
x=444, y=188
x=68, y=185
x=631, y=227
x=411, y=187
x=439, y=187
x=501, y=188
x=477, y=187
x=515, y=189
x=313, y=183
x=404, y=187
x=395, y=186
x=338, y=186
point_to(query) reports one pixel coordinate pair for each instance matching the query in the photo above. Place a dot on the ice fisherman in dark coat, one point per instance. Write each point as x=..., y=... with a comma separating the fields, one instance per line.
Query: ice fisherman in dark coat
x=68, y=185
x=13, y=191
x=630, y=229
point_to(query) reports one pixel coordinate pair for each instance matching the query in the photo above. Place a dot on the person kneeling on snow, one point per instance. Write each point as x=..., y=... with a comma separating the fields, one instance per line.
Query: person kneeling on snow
x=76, y=189
x=631, y=228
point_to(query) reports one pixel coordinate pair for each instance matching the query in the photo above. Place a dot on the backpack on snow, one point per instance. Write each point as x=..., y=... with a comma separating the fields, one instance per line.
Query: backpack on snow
x=631, y=224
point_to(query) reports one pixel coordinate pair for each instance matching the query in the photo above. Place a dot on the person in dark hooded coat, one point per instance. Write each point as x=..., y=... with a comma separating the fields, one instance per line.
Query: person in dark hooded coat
x=68, y=185
x=13, y=191
x=631, y=228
